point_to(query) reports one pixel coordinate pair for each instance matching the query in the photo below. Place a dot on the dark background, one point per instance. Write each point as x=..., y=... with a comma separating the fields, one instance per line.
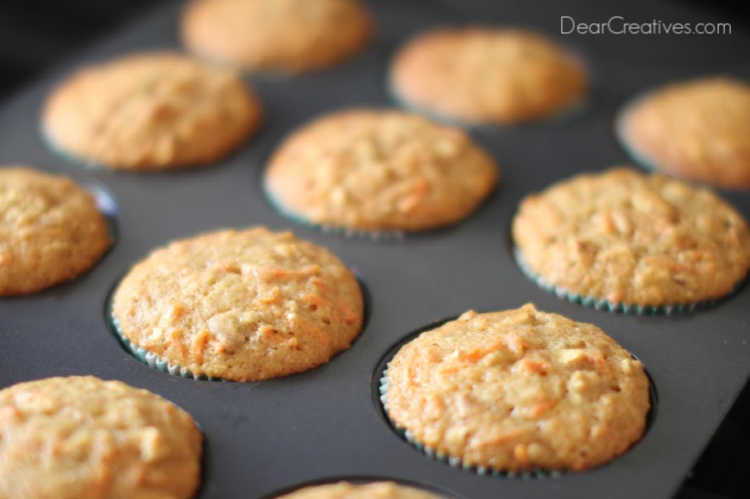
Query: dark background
x=35, y=35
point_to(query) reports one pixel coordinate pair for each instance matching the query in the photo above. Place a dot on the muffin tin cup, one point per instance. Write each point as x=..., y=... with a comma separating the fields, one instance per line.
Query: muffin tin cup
x=381, y=373
x=619, y=307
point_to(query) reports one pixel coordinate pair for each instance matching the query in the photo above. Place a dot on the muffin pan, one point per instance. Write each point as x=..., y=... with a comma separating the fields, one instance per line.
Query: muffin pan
x=270, y=436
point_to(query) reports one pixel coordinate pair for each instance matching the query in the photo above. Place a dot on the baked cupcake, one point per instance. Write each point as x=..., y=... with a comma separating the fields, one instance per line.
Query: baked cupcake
x=285, y=35
x=517, y=390
x=379, y=170
x=83, y=438
x=624, y=240
x=51, y=230
x=346, y=490
x=487, y=75
x=150, y=111
x=238, y=305
x=698, y=130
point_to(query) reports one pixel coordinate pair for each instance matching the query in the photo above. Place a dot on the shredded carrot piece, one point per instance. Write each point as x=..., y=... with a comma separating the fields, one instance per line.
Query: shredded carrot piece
x=475, y=355
x=534, y=366
x=521, y=453
x=199, y=344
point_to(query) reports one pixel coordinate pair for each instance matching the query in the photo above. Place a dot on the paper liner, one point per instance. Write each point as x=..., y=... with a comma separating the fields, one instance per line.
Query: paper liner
x=375, y=235
x=151, y=359
x=602, y=304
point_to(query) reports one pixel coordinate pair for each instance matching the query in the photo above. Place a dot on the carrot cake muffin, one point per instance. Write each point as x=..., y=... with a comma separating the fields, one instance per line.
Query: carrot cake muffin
x=242, y=305
x=518, y=390
x=698, y=130
x=287, y=35
x=51, y=230
x=487, y=75
x=379, y=170
x=83, y=438
x=345, y=490
x=150, y=111
x=634, y=239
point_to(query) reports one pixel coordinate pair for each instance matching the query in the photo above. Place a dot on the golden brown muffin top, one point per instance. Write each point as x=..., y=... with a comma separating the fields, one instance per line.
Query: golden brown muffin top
x=287, y=35
x=241, y=305
x=51, y=230
x=83, y=438
x=699, y=130
x=633, y=238
x=518, y=390
x=345, y=490
x=380, y=170
x=150, y=111
x=484, y=74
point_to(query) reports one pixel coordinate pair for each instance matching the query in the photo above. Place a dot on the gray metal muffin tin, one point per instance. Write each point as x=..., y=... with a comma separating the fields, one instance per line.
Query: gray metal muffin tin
x=325, y=423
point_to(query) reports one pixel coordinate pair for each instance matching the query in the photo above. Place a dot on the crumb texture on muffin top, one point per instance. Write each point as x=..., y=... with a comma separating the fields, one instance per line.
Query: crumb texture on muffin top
x=633, y=238
x=241, y=305
x=150, y=111
x=380, y=170
x=80, y=437
x=484, y=74
x=699, y=130
x=51, y=230
x=518, y=390
x=287, y=35
x=345, y=490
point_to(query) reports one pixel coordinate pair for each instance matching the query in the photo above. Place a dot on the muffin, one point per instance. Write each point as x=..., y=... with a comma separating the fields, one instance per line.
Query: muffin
x=487, y=75
x=51, y=230
x=379, y=170
x=630, y=239
x=518, y=390
x=285, y=35
x=83, y=438
x=345, y=490
x=243, y=305
x=150, y=111
x=698, y=130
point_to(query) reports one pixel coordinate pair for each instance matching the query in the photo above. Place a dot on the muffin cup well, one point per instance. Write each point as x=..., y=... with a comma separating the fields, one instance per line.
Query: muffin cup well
x=380, y=389
x=602, y=304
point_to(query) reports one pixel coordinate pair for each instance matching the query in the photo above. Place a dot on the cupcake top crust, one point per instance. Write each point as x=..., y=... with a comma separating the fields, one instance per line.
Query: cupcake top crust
x=286, y=35
x=83, y=438
x=518, y=390
x=488, y=75
x=242, y=305
x=345, y=490
x=51, y=230
x=379, y=170
x=150, y=111
x=633, y=238
x=698, y=130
